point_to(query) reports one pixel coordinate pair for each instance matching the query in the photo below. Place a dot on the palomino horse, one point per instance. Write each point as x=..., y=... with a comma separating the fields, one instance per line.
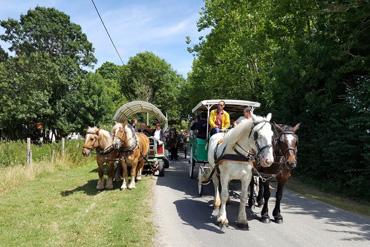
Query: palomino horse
x=285, y=142
x=228, y=154
x=172, y=143
x=134, y=147
x=99, y=140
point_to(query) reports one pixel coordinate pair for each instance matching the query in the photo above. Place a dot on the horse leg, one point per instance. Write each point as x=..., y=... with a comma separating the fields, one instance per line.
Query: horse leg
x=109, y=184
x=100, y=185
x=242, y=216
x=279, y=194
x=251, y=194
x=260, y=193
x=124, y=175
x=133, y=175
x=265, y=211
x=217, y=201
x=222, y=217
x=139, y=169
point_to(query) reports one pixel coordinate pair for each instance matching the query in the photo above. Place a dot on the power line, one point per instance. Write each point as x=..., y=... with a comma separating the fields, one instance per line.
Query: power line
x=97, y=11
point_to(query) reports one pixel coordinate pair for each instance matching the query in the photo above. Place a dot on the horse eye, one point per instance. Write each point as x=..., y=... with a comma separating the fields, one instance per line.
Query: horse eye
x=91, y=138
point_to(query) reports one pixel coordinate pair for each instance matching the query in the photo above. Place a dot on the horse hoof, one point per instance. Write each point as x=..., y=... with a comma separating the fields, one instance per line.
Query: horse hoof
x=138, y=178
x=265, y=219
x=223, y=226
x=242, y=226
x=279, y=220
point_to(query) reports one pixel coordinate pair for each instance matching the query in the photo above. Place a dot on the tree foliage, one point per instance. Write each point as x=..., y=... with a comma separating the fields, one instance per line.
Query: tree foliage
x=50, y=31
x=44, y=82
x=306, y=61
x=148, y=77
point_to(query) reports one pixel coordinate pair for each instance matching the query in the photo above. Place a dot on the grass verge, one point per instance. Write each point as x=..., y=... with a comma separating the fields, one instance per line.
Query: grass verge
x=313, y=192
x=64, y=209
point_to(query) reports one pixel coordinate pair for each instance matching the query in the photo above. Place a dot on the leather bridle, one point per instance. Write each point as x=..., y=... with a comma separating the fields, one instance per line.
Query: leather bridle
x=92, y=133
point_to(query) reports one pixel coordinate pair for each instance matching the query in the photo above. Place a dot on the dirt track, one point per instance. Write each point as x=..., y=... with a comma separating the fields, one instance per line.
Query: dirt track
x=184, y=219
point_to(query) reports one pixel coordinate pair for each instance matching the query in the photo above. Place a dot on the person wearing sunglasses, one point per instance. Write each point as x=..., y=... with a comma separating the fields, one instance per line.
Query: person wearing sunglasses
x=219, y=119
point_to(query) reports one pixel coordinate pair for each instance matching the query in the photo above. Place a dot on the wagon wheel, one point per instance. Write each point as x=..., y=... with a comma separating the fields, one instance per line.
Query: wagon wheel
x=191, y=155
x=192, y=164
x=191, y=168
x=161, y=168
x=200, y=185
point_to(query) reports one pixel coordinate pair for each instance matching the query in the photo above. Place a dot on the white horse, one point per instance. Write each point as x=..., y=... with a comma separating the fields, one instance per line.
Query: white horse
x=250, y=134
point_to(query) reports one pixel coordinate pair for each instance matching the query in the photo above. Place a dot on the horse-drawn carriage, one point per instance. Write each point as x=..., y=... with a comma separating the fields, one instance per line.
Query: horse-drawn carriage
x=255, y=147
x=198, y=146
x=156, y=160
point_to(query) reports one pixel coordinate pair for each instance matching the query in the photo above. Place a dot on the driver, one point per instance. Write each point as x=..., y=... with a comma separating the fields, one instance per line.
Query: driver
x=219, y=119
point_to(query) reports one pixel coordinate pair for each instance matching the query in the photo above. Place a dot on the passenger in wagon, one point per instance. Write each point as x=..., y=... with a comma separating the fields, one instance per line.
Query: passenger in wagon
x=158, y=133
x=200, y=126
x=247, y=114
x=144, y=129
x=219, y=119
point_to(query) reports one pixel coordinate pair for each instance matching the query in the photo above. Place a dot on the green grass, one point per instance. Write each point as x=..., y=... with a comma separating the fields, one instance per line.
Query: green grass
x=13, y=153
x=313, y=192
x=63, y=208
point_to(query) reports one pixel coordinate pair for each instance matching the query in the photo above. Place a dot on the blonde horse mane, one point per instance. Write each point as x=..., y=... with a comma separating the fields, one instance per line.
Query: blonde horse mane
x=105, y=139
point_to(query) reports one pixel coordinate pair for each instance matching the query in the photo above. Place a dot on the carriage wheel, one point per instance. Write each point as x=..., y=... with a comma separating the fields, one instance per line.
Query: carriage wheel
x=200, y=185
x=191, y=168
x=161, y=168
x=191, y=155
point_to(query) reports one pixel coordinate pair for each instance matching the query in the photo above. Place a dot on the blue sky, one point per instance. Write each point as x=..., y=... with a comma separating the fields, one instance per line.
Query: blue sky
x=159, y=26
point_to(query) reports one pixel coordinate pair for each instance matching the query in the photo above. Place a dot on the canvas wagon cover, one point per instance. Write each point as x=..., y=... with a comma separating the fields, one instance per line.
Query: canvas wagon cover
x=129, y=110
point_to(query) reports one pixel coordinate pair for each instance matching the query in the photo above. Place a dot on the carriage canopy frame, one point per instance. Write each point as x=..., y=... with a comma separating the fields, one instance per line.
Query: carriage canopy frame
x=128, y=110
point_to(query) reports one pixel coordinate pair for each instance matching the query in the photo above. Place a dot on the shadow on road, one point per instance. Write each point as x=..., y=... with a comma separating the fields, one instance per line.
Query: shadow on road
x=359, y=226
x=192, y=209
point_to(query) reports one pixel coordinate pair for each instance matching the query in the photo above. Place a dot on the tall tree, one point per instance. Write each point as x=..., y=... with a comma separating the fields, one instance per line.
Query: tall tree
x=150, y=78
x=51, y=31
x=3, y=55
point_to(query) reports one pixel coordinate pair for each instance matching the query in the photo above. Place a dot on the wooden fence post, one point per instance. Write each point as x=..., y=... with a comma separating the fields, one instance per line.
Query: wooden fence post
x=29, y=152
x=63, y=147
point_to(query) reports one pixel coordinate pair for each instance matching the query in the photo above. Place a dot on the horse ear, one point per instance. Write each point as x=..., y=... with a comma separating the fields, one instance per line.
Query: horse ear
x=277, y=127
x=296, y=127
x=268, y=117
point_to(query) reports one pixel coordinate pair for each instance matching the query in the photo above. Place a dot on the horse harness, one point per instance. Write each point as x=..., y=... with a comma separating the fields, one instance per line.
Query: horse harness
x=282, y=160
x=239, y=156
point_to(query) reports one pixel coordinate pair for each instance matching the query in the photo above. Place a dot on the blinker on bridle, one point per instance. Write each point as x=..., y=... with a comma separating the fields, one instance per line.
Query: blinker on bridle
x=255, y=137
x=91, y=133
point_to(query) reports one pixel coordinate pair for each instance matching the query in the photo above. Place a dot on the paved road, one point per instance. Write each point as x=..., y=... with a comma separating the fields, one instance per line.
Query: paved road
x=184, y=219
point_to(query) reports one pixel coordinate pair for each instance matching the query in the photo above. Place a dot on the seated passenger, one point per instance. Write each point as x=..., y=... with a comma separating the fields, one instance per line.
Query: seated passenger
x=200, y=125
x=219, y=119
x=158, y=134
x=247, y=114
x=144, y=129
